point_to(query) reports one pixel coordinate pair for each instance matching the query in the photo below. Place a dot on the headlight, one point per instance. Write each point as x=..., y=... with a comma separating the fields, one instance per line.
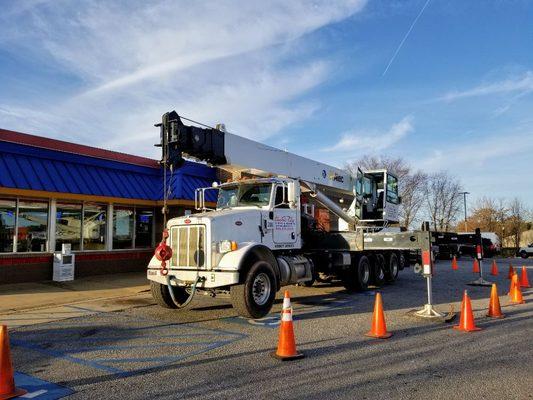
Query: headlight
x=225, y=246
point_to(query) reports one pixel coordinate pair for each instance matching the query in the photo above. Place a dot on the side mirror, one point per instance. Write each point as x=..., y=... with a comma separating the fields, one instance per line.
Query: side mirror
x=291, y=193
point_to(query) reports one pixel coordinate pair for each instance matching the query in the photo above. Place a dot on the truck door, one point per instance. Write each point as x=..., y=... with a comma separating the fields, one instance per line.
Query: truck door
x=285, y=225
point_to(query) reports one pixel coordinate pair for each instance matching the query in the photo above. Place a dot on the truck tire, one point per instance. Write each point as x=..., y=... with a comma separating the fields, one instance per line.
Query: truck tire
x=523, y=254
x=254, y=298
x=393, y=267
x=379, y=270
x=162, y=297
x=357, y=277
x=402, y=260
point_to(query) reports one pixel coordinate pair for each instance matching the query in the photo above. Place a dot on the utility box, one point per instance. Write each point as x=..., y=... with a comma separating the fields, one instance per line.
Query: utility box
x=63, y=264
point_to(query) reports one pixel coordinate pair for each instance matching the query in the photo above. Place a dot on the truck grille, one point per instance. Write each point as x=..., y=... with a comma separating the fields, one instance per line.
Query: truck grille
x=188, y=246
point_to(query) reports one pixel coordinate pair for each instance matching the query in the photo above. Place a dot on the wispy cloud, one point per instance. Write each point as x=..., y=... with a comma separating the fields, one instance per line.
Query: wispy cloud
x=374, y=141
x=480, y=153
x=131, y=61
x=522, y=84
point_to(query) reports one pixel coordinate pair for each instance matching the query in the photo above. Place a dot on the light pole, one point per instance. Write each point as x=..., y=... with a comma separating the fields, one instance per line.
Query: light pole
x=464, y=198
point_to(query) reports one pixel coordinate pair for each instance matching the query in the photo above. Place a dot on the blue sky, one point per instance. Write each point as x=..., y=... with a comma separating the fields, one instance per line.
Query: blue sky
x=308, y=76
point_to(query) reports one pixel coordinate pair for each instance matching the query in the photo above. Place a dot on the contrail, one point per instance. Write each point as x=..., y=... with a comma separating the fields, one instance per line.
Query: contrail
x=405, y=38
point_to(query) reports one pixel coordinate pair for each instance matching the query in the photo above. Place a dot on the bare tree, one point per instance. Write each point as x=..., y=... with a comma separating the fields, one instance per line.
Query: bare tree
x=516, y=220
x=411, y=183
x=398, y=166
x=412, y=192
x=443, y=201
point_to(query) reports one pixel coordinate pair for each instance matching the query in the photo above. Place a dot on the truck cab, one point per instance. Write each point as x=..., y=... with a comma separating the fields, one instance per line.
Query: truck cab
x=255, y=220
x=379, y=201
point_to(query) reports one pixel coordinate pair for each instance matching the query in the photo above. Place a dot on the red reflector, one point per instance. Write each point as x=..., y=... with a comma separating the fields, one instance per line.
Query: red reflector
x=426, y=257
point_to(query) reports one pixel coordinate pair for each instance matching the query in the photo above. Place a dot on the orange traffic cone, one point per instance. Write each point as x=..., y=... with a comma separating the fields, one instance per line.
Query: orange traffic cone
x=466, y=322
x=286, y=343
x=511, y=272
x=516, y=292
x=512, y=285
x=379, y=327
x=454, y=264
x=475, y=266
x=495, y=310
x=494, y=269
x=7, y=381
x=524, y=281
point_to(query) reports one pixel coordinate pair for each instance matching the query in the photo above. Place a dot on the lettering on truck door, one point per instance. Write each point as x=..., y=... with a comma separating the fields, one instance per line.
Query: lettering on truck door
x=284, y=218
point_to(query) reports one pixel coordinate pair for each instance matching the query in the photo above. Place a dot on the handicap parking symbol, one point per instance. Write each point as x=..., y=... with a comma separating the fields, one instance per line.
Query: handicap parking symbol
x=40, y=389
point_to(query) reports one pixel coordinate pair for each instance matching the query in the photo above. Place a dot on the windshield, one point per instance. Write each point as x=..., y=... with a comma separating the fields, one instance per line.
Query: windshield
x=244, y=195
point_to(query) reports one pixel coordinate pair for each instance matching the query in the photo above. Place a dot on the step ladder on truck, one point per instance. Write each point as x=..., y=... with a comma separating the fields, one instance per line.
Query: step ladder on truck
x=264, y=233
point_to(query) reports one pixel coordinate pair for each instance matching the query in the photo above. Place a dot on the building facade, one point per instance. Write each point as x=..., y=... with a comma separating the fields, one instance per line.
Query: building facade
x=106, y=205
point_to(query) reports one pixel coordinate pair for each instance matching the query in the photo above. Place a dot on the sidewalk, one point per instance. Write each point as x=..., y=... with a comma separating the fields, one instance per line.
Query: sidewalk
x=29, y=303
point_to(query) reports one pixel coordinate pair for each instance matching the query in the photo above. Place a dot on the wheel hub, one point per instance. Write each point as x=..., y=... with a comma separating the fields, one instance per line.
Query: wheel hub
x=261, y=289
x=366, y=274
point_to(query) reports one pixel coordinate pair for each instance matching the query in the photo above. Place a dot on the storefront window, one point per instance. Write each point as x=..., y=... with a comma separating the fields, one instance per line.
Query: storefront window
x=68, y=225
x=7, y=225
x=94, y=226
x=123, y=228
x=144, y=222
x=32, y=233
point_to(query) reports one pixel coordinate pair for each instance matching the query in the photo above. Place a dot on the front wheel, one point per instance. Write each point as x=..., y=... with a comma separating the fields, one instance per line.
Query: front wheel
x=523, y=254
x=254, y=298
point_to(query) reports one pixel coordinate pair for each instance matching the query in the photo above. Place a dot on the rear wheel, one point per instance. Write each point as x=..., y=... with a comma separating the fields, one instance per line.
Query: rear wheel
x=358, y=276
x=161, y=295
x=523, y=254
x=379, y=270
x=402, y=260
x=393, y=267
x=254, y=298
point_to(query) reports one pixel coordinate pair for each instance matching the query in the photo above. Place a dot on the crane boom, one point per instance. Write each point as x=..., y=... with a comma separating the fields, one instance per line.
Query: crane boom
x=232, y=152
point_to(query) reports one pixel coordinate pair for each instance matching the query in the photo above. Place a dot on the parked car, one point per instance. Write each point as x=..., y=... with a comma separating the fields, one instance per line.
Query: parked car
x=525, y=252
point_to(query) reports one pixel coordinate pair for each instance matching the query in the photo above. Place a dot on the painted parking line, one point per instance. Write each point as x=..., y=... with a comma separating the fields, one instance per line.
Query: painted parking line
x=40, y=389
x=121, y=344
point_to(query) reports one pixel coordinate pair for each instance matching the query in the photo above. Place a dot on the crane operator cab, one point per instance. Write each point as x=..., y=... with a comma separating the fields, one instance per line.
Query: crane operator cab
x=378, y=198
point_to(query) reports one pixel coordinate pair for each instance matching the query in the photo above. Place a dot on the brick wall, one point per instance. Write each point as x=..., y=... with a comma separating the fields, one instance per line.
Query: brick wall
x=17, y=268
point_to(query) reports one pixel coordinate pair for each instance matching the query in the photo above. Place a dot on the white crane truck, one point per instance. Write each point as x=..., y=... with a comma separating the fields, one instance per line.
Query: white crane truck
x=263, y=233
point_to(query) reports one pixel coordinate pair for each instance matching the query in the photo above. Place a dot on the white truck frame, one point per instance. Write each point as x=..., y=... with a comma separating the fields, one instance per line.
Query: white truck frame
x=261, y=236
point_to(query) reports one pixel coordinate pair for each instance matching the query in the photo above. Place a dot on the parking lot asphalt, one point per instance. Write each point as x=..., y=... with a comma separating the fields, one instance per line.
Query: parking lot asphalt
x=131, y=348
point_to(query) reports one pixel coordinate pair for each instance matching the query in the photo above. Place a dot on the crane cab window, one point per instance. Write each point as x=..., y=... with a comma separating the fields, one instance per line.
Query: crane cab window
x=392, y=189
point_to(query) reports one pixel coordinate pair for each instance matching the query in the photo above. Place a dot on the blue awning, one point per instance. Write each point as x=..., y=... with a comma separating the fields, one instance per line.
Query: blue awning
x=34, y=168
